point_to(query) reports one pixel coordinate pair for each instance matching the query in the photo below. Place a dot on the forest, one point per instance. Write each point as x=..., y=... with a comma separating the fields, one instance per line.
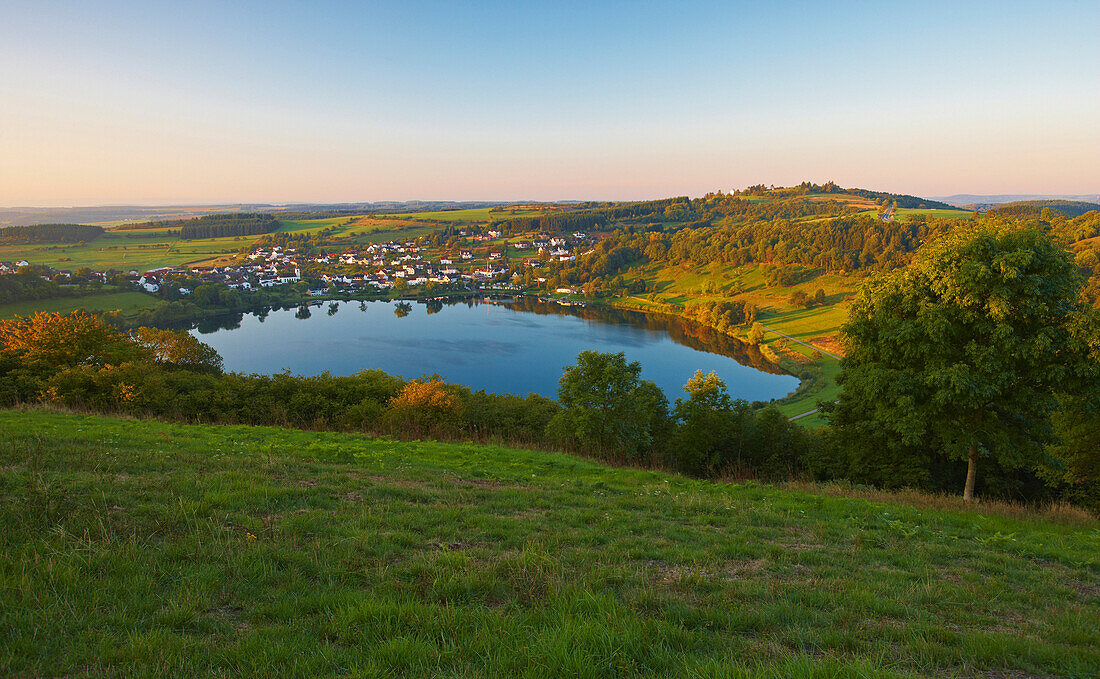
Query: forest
x=222, y=225
x=49, y=233
x=1033, y=209
x=849, y=244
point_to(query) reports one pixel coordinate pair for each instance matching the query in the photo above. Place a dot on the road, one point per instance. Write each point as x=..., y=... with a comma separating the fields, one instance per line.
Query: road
x=827, y=353
x=808, y=412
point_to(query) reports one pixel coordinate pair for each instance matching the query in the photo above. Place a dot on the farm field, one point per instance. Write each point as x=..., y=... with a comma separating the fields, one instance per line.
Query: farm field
x=929, y=212
x=313, y=225
x=126, y=250
x=483, y=214
x=361, y=230
x=213, y=550
x=126, y=302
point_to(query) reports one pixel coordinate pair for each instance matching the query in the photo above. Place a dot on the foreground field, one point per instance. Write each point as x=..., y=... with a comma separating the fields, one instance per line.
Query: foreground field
x=147, y=549
x=129, y=250
x=127, y=302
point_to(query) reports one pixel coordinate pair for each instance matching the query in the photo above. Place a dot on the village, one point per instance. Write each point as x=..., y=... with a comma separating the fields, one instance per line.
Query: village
x=469, y=261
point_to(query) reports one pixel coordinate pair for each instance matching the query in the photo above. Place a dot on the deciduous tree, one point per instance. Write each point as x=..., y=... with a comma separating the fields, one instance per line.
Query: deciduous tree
x=963, y=354
x=607, y=406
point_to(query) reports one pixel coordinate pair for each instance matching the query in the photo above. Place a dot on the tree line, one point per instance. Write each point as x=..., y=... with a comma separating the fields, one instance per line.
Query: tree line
x=80, y=361
x=49, y=233
x=235, y=224
x=28, y=285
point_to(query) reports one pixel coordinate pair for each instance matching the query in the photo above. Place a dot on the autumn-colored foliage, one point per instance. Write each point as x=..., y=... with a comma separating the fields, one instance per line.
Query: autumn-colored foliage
x=179, y=348
x=58, y=341
x=429, y=396
x=55, y=340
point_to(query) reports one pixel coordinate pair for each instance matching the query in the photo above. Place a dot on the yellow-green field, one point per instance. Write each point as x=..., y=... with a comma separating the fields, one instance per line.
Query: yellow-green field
x=927, y=212
x=361, y=230
x=676, y=285
x=126, y=302
x=818, y=326
x=481, y=214
x=126, y=250
x=315, y=225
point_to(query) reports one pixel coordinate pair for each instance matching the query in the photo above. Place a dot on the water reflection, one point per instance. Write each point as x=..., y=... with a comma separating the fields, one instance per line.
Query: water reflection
x=513, y=345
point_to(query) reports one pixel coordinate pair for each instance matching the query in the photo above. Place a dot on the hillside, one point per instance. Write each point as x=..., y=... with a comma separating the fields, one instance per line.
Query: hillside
x=143, y=548
x=1028, y=208
x=973, y=201
x=796, y=255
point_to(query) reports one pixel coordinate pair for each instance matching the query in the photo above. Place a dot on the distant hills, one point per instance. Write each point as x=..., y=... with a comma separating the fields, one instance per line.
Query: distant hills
x=111, y=215
x=24, y=216
x=971, y=201
x=1022, y=208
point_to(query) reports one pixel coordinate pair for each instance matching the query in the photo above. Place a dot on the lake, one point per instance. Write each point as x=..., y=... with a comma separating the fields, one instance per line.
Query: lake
x=505, y=346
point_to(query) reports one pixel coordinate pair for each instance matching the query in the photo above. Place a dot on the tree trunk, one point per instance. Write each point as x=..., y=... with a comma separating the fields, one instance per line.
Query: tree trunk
x=971, y=474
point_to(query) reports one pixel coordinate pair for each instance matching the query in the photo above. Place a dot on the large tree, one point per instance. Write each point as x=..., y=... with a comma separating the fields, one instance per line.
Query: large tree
x=963, y=354
x=606, y=406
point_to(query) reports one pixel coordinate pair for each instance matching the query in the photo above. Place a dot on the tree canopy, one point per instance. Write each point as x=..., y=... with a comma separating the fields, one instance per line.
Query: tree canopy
x=49, y=233
x=961, y=356
x=607, y=406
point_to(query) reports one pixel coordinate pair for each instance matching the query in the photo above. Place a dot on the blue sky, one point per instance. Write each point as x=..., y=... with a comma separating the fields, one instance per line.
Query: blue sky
x=154, y=102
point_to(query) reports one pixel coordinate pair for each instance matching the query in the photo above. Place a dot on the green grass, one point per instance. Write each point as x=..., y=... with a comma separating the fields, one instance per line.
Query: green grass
x=825, y=389
x=312, y=225
x=806, y=324
x=818, y=324
x=126, y=250
x=146, y=549
x=355, y=231
x=927, y=212
x=364, y=235
x=482, y=214
x=126, y=302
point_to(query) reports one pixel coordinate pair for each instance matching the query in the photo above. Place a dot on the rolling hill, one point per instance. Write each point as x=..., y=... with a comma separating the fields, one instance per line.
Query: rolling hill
x=140, y=548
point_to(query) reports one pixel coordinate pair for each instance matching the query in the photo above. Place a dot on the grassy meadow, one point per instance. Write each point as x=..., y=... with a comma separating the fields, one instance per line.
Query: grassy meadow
x=925, y=212
x=146, y=249
x=817, y=326
x=481, y=214
x=128, y=303
x=314, y=225
x=147, y=549
x=139, y=250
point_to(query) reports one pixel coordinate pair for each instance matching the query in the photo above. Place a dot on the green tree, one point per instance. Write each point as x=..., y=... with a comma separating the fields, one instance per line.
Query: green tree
x=708, y=422
x=1077, y=421
x=608, y=407
x=963, y=354
x=756, y=333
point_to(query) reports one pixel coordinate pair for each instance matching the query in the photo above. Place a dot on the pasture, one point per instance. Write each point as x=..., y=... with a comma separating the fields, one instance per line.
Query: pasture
x=482, y=214
x=126, y=302
x=127, y=250
x=139, y=548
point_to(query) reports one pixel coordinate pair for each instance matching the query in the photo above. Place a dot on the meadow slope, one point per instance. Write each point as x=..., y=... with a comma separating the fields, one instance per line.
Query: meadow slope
x=136, y=548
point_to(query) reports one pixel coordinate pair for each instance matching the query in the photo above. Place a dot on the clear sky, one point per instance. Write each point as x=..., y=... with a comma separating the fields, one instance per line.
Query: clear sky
x=200, y=102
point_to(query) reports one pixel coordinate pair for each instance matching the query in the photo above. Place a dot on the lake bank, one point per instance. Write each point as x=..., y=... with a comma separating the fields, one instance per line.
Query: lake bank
x=512, y=345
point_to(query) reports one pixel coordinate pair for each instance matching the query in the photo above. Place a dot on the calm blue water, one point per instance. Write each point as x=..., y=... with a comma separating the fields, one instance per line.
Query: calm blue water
x=517, y=348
